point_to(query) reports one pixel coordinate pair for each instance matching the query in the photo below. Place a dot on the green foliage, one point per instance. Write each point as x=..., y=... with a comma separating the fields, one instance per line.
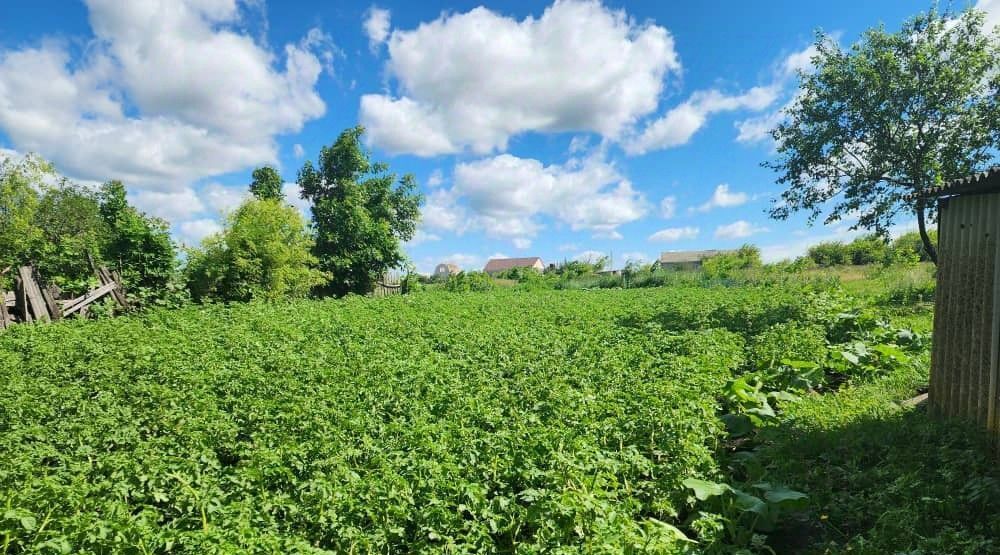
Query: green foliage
x=868, y=249
x=741, y=515
x=266, y=184
x=360, y=214
x=464, y=282
x=894, y=114
x=428, y=423
x=569, y=269
x=140, y=248
x=62, y=227
x=727, y=265
x=910, y=248
x=263, y=253
x=829, y=253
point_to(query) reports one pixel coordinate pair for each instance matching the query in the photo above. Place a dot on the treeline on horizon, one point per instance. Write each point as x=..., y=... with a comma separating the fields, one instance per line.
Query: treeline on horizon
x=361, y=213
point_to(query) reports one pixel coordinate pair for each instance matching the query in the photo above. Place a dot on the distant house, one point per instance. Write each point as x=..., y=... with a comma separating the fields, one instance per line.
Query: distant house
x=446, y=269
x=686, y=260
x=498, y=265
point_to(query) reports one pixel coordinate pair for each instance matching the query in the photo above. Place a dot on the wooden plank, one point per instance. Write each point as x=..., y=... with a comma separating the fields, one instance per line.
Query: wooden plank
x=5, y=319
x=121, y=287
x=34, y=295
x=105, y=276
x=89, y=298
x=49, y=295
x=21, y=300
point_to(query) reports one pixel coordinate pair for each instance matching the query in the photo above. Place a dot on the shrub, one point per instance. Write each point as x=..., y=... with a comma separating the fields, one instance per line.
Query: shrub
x=469, y=281
x=727, y=265
x=829, y=253
x=263, y=253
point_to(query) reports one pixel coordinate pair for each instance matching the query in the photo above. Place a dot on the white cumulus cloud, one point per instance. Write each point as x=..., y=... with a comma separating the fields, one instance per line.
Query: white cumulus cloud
x=472, y=80
x=165, y=94
x=679, y=124
x=505, y=196
x=722, y=197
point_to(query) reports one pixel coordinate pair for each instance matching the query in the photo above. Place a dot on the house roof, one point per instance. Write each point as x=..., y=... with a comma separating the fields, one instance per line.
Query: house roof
x=674, y=257
x=501, y=264
x=983, y=182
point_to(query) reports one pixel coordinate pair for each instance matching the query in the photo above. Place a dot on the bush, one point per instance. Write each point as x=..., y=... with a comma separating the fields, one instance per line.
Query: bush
x=727, y=265
x=909, y=246
x=869, y=249
x=463, y=282
x=263, y=253
x=829, y=253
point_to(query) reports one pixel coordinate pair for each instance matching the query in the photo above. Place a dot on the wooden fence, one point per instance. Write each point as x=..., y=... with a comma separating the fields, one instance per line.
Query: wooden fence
x=390, y=284
x=34, y=301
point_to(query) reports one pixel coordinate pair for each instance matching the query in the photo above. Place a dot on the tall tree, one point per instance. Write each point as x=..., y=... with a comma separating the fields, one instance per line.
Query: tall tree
x=361, y=213
x=266, y=184
x=897, y=113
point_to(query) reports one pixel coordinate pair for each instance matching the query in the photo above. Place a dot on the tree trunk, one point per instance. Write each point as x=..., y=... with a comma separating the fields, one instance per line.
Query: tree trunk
x=922, y=226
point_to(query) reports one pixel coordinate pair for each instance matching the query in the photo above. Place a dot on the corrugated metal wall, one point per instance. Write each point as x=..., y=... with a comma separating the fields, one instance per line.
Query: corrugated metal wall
x=964, y=380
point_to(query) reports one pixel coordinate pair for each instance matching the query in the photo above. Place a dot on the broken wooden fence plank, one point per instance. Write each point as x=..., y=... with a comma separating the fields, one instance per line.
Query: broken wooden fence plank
x=5, y=319
x=89, y=298
x=34, y=295
x=21, y=300
x=49, y=295
x=105, y=276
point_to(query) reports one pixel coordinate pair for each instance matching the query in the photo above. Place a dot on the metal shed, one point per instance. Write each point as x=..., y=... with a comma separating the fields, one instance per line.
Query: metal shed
x=964, y=363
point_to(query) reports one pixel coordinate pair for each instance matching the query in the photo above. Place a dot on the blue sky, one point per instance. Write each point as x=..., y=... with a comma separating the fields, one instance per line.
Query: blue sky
x=554, y=130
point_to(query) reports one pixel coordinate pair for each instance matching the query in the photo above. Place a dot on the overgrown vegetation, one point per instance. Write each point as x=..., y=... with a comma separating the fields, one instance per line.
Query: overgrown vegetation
x=643, y=420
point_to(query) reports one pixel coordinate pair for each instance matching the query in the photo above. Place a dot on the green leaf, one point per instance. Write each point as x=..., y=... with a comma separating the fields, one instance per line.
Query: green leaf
x=28, y=522
x=672, y=530
x=784, y=497
x=705, y=490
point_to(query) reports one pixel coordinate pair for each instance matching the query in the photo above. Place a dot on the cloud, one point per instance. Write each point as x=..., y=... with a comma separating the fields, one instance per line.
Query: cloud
x=435, y=179
x=992, y=9
x=757, y=129
x=221, y=199
x=568, y=247
x=467, y=262
x=376, y=26
x=169, y=205
x=505, y=196
x=298, y=151
x=668, y=207
x=738, y=230
x=672, y=234
x=422, y=236
x=293, y=196
x=100, y=115
x=723, y=198
x=472, y=80
x=192, y=232
x=521, y=243
x=679, y=124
